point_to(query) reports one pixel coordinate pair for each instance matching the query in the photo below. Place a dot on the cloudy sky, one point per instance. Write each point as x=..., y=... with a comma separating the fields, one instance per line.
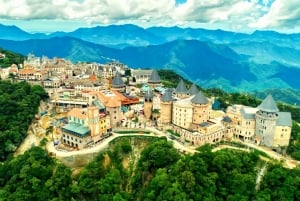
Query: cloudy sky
x=234, y=15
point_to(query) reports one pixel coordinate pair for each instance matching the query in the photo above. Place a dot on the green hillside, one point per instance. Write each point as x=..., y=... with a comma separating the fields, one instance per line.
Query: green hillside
x=10, y=58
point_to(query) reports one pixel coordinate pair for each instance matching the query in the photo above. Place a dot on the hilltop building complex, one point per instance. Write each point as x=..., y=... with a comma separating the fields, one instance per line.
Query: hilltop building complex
x=98, y=97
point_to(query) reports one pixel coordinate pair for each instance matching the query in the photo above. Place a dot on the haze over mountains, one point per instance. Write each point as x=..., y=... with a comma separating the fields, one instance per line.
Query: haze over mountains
x=211, y=58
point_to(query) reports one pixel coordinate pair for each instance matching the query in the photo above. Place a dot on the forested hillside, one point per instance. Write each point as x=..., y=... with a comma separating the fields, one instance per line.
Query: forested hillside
x=10, y=58
x=19, y=103
x=154, y=171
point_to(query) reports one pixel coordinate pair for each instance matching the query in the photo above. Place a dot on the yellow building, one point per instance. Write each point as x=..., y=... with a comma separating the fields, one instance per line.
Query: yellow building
x=85, y=127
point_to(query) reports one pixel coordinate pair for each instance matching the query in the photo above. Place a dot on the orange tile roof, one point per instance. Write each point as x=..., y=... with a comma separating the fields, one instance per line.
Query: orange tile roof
x=78, y=113
x=27, y=71
x=112, y=102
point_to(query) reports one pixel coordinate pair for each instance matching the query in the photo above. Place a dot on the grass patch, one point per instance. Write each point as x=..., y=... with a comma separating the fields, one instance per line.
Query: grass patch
x=133, y=132
x=173, y=133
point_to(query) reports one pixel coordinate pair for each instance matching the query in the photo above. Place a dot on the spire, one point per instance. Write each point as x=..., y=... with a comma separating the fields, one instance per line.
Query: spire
x=193, y=90
x=117, y=81
x=167, y=96
x=200, y=99
x=154, y=77
x=181, y=89
x=268, y=105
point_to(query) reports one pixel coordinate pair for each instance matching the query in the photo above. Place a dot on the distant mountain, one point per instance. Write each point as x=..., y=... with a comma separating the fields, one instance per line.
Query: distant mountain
x=15, y=33
x=114, y=35
x=206, y=63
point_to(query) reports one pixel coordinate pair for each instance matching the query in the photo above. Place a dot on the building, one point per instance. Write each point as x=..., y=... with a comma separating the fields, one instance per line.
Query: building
x=154, y=80
x=140, y=76
x=85, y=127
x=118, y=84
x=243, y=120
x=273, y=128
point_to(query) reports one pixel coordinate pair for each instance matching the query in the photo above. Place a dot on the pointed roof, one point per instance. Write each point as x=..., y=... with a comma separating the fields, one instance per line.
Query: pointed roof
x=181, y=89
x=200, y=99
x=148, y=94
x=167, y=96
x=193, y=90
x=117, y=81
x=268, y=105
x=154, y=77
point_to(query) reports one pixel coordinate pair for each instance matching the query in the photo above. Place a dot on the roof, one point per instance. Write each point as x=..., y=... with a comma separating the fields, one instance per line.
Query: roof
x=98, y=104
x=284, y=119
x=117, y=81
x=227, y=119
x=167, y=96
x=199, y=99
x=248, y=112
x=193, y=90
x=148, y=94
x=154, y=77
x=268, y=105
x=112, y=102
x=77, y=129
x=78, y=113
x=181, y=89
x=138, y=72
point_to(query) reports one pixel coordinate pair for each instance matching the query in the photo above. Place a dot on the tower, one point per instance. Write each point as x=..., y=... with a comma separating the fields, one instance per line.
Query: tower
x=154, y=80
x=166, y=107
x=265, y=121
x=201, y=107
x=148, y=104
x=181, y=91
x=93, y=120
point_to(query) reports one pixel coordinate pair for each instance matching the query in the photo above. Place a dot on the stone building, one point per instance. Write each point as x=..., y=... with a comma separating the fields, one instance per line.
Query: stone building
x=85, y=127
x=273, y=128
x=148, y=104
x=118, y=84
x=154, y=80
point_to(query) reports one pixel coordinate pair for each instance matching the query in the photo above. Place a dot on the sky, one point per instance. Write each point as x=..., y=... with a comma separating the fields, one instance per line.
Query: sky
x=232, y=15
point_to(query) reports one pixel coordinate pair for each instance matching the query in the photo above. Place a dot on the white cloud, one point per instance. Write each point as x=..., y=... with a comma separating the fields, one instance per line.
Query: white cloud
x=230, y=14
x=282, y=14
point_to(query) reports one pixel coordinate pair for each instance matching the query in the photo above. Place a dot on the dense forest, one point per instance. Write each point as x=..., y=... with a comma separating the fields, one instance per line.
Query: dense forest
x=19, y=103
x=154, y=171
x=10, y=58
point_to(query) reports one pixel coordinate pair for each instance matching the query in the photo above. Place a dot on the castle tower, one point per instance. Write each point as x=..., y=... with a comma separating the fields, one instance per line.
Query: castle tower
x=201, y=108
x=193, y=90
x=93, y=120
x=154, y=80
x=181, y=91
x=148, y=104
x=265, y=123
x=118, y=84
x=166, y=107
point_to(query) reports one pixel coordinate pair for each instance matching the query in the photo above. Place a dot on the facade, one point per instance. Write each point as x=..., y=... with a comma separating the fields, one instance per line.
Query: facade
x=273, y=128
x=140, y=76
x=85, y=127
x=243, y=120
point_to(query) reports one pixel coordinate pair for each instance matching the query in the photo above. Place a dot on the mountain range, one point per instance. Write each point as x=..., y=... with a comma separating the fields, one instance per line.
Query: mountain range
x=212, y=58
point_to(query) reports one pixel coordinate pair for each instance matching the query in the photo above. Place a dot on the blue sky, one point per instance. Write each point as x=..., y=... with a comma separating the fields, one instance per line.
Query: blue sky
x=233, y=15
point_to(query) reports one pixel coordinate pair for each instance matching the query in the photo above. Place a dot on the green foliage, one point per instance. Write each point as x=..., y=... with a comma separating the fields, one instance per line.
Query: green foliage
x=34, y=176
x=19, y=104
x=10, y=58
